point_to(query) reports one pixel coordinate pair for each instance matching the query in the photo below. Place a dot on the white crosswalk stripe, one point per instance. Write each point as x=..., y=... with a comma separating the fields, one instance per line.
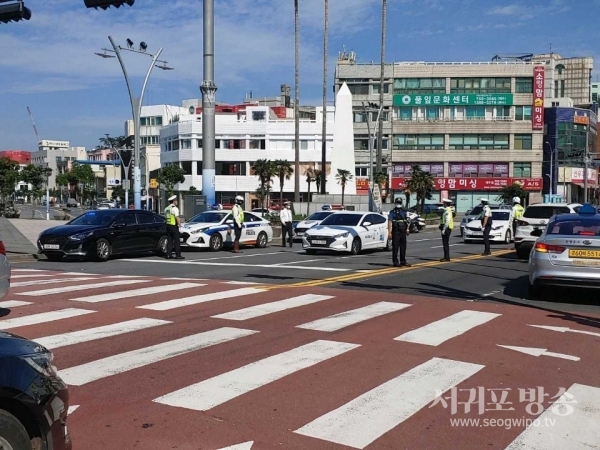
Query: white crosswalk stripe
x=92, y=334
x=223, y=388
x=13, y=304
x=196, y=299
x=273, y=307
x=46, y=317
x=55, y=281
x=112, y=365
x=366, y=418
x=82, y=287
x=137, y=292
x=17, y=277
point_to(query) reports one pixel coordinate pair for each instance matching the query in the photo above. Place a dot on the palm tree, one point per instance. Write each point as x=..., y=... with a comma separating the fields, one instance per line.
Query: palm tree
x=343, y=176
x=422, y=184
x=283, y=170
x=296, y=103
x=310, y=177
x=380, y=178
x=318, y=178
x=324, y=125
x=263, y=169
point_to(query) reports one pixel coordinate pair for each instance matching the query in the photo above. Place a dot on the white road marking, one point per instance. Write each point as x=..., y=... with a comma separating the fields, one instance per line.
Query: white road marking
x=361, y=421
x=184, y=279
x=576, y=431
x=46, y=317
x=559, y=329
x=296, y=262
x=223, y=388
x=13, y=304
x=490, y=293
x=451, y=245
x=240, y=282
x=268, y=266
x=29, y=270
x=136, y=292
x=92, y=334
x=234, y=257
x=442, y=330
x=15, y=277
x=539, y=352
x=72, y=409
x=196, y=299
x=244, y=446
x=82, y=287
x=272, y=307
x=112, y=365
x=354, y=316
x=54, y=281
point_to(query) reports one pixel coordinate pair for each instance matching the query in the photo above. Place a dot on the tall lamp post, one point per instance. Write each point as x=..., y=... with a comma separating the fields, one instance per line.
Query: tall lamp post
x=372, y=107
x=209, y=91
x=136, y=105
x=552, y=151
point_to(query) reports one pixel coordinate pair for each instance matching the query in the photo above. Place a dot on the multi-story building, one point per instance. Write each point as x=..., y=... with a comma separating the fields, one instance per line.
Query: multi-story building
x=567, y=77
x=248, y=132
x=58, y=156
x=596, y=92
x=475, y=126
x=23, y=158
x=152, y=119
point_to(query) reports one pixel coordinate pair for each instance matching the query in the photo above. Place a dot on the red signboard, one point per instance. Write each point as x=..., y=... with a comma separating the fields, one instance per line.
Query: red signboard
x=538, y=98
x=475, y=184
x=362, y=184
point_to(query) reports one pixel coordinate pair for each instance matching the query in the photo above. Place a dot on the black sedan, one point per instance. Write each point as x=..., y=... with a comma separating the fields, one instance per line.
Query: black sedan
x=102, y=233
x=34, y=401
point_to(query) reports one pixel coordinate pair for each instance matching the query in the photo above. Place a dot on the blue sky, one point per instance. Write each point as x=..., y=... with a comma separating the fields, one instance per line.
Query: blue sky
x=48, y=63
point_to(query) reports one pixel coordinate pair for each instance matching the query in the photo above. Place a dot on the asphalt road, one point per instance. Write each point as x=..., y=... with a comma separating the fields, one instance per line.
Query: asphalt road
x=498, y=278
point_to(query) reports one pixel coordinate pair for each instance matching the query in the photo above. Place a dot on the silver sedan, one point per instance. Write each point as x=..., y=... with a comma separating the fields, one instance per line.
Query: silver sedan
x=567, y=252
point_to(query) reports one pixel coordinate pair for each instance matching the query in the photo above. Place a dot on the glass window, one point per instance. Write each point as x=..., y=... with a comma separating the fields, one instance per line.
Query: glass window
x=129, y=219
x=480, y=85
x=418, y=141
x=478, y=141
x=420, y=86
x=577, y=227
x=523, y=142
x=257, y=144
x=144, y=218
x=523, y=112
x=544, y=212
x=359, y=89
x=524, y=85
x=361, y=144
x=187, y=167
x=522, y=170
x=209, y=217
x=386, y=88
x=349, y=220
x=319, y=215
x=259, y=116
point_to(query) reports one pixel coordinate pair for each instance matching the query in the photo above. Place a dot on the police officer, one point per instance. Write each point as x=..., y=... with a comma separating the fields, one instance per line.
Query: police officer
x=517, y=213
x=173, y=224
x=397, y=232
x=486, y=223
x=286, y=218
x=446, y=228
x=238, y=222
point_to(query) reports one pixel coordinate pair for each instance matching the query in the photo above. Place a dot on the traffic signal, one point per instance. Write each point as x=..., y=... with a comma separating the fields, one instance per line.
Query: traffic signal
x=105, y=4
x=14, y=12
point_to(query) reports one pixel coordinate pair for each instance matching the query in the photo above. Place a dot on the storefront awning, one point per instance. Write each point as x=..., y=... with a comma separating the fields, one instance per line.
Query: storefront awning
x=581, y=185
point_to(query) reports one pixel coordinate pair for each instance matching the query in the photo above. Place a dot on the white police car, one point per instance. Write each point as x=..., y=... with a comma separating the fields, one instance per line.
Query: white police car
x=214, y=230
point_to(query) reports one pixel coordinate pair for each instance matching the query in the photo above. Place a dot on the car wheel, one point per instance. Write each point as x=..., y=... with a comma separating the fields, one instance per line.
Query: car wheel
x=261, y=240
x=163, y=246
x=522, y=253
x=355, y=248
x=13, y=435
x=103, y=250
x=52, y=257
x=508, y=237
x=311, y=252
x=216, y=242
x=535, y=291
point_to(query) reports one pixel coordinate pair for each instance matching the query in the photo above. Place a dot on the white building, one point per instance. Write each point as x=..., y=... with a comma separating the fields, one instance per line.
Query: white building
x=58, y=156
x=256, y=132
x=152, y=119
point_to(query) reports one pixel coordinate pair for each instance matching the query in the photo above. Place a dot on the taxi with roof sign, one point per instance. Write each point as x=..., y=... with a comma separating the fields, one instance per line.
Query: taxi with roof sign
x=567, y=252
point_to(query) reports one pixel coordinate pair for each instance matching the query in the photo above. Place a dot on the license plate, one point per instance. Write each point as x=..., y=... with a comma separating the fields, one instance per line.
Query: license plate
x=51, y=246
x=586, y=262
x=319, y=242
x=476, y=233
x=592, y=254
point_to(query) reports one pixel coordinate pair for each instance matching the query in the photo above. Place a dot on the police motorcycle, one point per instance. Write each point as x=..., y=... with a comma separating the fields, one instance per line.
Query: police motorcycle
x=416, y=223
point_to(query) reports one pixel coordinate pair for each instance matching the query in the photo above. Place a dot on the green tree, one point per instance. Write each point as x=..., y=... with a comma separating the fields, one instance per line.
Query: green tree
x=284, y=171
x=84, y=175
x=9, y=177
x=343, y=177
x=169, y=176
x=380, y=178
x=265, y=171
x=421, y=183
x=118, y=193
x=514, y=190
x=37, y=176
x=310, y=178
x=112, y=142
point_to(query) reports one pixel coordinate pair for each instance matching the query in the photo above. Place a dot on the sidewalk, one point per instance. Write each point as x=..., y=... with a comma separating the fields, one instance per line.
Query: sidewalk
x=20, y=236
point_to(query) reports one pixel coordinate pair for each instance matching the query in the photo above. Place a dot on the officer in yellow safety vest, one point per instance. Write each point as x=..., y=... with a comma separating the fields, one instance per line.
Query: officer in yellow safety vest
x=517, y=213
x=446, y=228
x=173, y=224
x=238, y=222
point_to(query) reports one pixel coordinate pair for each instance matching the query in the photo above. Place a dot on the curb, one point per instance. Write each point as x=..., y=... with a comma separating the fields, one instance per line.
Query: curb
x=24, y=257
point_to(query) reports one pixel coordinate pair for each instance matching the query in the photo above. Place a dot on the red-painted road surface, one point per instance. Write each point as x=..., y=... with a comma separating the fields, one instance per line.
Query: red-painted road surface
x=163, y=363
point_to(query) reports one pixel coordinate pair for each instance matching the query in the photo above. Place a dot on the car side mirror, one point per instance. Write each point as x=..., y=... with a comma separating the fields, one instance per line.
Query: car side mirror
x=537, y=233
x=366, y=224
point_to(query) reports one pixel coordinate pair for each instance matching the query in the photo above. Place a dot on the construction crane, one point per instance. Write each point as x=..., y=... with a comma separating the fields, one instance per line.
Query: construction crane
x=37, y=135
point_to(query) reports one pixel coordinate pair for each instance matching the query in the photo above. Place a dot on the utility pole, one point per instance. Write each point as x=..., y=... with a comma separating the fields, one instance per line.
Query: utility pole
x=381, y=85
x=209, y=90
x=324, y=125
x=296, y=105
x=372, y=136
x=585, y=165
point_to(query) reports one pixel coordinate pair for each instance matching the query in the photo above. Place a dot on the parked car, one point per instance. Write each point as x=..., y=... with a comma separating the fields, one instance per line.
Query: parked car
x=34, y=400
x=566, y=252
x=347, y=231
x=311, y=221
x=214, y=230
x=4, y=272
x=501, y=228
x=536, y=217
x=102, y=233
x=473, y=213
x=72, y=203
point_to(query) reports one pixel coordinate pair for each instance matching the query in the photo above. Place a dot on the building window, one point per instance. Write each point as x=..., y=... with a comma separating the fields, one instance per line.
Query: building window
x=257, y=144
x=480, y=85
x=234, y=144
x=523, y=142
x=478, y=141
x=199, y=167
x=524, y=85
x=562, y=88
x=361, y=144
x=187, y=167
x=259, y=116
x=359, y=89
x=386, y=88
x=230, y=168
x=559, y=68
x=523, y=112
x=151, y=121
x=420, y=86
x=522, y=170
x=418, y=141
x=198, y=143
x=361, y=171
x=186, y=144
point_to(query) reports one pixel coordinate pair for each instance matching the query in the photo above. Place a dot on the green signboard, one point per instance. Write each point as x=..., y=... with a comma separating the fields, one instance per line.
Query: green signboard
x=453, y=99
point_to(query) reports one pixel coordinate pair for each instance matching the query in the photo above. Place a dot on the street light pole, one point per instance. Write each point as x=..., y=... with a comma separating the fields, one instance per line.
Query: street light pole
x=585, y=165
x=372, y=137
x=552, y=151
x=209, y=90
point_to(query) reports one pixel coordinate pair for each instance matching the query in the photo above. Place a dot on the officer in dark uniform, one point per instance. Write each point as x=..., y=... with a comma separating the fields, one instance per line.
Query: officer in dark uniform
x=397, y=231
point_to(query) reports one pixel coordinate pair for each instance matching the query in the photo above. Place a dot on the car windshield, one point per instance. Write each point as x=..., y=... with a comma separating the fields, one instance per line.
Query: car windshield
x=347, y=220
x=209, y=217
x=476, y=211
x=102, y=217
x=545, y=212
x=500, y=216
x=576, y=227
x=319, y=216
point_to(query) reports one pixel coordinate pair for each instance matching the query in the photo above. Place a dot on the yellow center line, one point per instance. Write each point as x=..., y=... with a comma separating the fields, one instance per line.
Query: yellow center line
x=379, y=272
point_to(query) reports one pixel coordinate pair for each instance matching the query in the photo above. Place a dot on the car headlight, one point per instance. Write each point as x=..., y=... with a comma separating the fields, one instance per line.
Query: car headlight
x=497, y=228
x=81, y=236
x=41, y=363
x=199, y=230
x=342, y=236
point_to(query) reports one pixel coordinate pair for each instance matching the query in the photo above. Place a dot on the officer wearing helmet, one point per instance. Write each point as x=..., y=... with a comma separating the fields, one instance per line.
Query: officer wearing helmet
x=238, y=222
x=173, y=224
x=517, y=213
x=397, y=231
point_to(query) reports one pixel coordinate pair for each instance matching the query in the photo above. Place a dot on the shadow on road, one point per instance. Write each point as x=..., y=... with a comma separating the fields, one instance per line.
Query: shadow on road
x=4, y=312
